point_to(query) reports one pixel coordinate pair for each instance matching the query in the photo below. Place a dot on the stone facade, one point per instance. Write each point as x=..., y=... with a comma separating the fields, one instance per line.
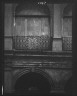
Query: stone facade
x=55, y=65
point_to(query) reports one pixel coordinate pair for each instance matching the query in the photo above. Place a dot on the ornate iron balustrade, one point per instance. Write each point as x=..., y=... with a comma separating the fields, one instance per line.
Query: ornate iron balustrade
x=32, y=42
x=67, y=43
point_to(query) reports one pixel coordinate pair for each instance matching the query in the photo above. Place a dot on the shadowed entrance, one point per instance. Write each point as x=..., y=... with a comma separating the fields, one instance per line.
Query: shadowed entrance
x=32, y=83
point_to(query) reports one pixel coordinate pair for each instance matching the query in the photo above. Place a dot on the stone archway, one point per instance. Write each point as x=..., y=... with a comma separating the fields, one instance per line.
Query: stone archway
x=33, y=82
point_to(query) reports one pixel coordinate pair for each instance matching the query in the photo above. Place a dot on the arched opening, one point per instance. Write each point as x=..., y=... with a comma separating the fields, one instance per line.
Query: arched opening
x=32, y=83
x=67, y=28
x=32, y=27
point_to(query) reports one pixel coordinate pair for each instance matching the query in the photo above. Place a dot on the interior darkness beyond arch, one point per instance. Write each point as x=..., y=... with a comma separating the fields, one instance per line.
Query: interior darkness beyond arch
x=32, y=83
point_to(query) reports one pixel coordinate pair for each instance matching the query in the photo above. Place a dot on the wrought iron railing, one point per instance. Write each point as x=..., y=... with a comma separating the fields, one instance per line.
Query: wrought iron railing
x=67, y=43
x=38, y=43
x=32, y=42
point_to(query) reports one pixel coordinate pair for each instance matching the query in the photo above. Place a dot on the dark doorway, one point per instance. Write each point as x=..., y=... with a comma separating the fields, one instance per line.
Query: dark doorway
x=32, y=83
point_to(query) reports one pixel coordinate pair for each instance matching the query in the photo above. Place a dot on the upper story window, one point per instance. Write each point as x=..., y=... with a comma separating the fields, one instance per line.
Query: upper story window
x=32, y=27
x=67, y=28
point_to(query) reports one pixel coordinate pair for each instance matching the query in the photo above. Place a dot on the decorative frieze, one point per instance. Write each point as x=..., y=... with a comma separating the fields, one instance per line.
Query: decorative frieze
x=39, y=64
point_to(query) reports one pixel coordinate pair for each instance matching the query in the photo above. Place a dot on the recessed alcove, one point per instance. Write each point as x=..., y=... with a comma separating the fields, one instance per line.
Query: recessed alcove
x=32, y=82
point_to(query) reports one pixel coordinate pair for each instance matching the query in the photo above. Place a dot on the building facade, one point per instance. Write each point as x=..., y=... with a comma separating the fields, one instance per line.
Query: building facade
x=37, y=48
